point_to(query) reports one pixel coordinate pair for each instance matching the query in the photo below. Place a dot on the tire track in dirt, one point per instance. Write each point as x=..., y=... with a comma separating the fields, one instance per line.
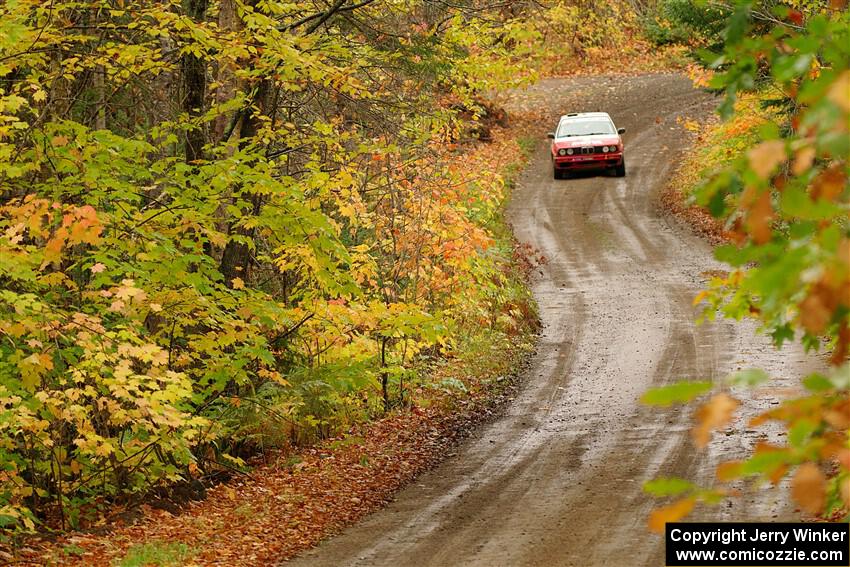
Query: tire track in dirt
x=557, y=479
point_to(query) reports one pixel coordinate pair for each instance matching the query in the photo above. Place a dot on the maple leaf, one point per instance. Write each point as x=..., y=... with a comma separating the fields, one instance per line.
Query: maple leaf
x=759, y=218
x=97, y=268
x=803, y=160
x=808, y=487
x=659, y=518
x=815, y=310
x=237, y=283
x=839, y=91
x=728, y=471
x=766, y=157
x=714, y=414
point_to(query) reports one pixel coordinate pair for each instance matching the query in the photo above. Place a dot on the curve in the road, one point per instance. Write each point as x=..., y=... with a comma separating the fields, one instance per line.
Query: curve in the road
x=557, y=480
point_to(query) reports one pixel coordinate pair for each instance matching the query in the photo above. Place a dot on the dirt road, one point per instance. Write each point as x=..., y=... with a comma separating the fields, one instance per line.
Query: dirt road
x=557, y=480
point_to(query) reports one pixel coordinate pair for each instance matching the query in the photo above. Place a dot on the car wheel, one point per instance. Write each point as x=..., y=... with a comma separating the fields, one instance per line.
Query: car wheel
x=620, y=170
x=557, y=174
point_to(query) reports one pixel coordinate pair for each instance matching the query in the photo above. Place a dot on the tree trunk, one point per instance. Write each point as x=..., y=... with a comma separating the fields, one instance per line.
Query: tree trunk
x=227, y=84
x=195, y=86
x=236, y=258
x=385, y=377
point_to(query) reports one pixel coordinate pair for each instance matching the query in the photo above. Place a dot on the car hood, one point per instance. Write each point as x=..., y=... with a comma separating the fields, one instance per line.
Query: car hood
x=578, y=141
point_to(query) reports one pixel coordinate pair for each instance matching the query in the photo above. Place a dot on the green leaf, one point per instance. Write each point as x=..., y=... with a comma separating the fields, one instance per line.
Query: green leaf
x=669, y=486
x=748, y=378
x=765, y=462
x=800, y=432
x=679, y=392
x=817, y=382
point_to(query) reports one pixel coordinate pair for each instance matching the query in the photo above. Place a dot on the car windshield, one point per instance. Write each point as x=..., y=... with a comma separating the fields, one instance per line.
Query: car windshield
x=585, y=128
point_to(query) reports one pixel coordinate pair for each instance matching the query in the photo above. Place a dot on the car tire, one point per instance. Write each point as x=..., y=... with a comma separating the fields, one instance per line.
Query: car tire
x=557, y=174
x=620, y=170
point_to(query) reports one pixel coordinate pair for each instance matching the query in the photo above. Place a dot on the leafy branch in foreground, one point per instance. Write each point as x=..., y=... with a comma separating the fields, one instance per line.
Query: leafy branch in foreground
x=785, y=203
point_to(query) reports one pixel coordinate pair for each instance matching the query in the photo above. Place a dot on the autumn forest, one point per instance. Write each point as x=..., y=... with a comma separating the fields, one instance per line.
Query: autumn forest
x=245, y=240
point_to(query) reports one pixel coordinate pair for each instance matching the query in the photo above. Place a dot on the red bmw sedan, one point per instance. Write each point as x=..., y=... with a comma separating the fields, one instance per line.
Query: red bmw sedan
x=587, y=140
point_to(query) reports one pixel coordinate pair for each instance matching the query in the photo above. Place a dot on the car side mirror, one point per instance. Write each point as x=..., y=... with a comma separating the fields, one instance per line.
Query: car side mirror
x=621, y=130
x=551, y=135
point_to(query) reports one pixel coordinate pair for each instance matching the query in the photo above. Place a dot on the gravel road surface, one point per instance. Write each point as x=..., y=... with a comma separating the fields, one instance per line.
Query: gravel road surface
x=557, y=479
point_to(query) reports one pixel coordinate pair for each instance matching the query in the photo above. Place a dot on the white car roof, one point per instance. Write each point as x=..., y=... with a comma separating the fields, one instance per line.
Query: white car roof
x=580, y=115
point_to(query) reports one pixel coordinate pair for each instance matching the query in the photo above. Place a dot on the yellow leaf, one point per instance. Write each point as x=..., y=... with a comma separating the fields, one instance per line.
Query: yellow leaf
x=765, y=157
x=237, y=283
x=103, y=450
x=808, y=487
x=716, y=413
x=672, y=513
x=155, y=307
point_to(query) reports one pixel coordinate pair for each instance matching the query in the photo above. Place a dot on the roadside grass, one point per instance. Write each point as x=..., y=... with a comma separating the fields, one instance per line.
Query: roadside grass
x=156, y=554
x=716, y=144
x=527, y=145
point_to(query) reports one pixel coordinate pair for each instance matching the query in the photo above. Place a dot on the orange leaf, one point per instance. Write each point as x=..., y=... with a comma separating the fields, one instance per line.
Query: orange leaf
x=672, y=513
x=816, y=309
x=808, y=487
x=728, y=471
x=844, y=458
x=777, y=474
x=758, y=220
x=829, y=184
x=839, y=416
x=765, y=157
x=53, y=249
x=842, y=347
x=803, y=160
x=839, y=92
x=714, y=414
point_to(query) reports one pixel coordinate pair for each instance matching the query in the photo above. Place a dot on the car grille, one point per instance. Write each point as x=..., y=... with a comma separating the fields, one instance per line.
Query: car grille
x=591, y=150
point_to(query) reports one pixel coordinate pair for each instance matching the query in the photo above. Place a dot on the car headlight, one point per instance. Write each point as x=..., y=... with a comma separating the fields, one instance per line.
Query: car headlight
x=604, y=149
x=612, y=148
x=569, y=151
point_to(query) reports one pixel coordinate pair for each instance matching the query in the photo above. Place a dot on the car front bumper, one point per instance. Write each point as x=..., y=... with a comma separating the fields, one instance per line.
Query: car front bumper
x=587, y=161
